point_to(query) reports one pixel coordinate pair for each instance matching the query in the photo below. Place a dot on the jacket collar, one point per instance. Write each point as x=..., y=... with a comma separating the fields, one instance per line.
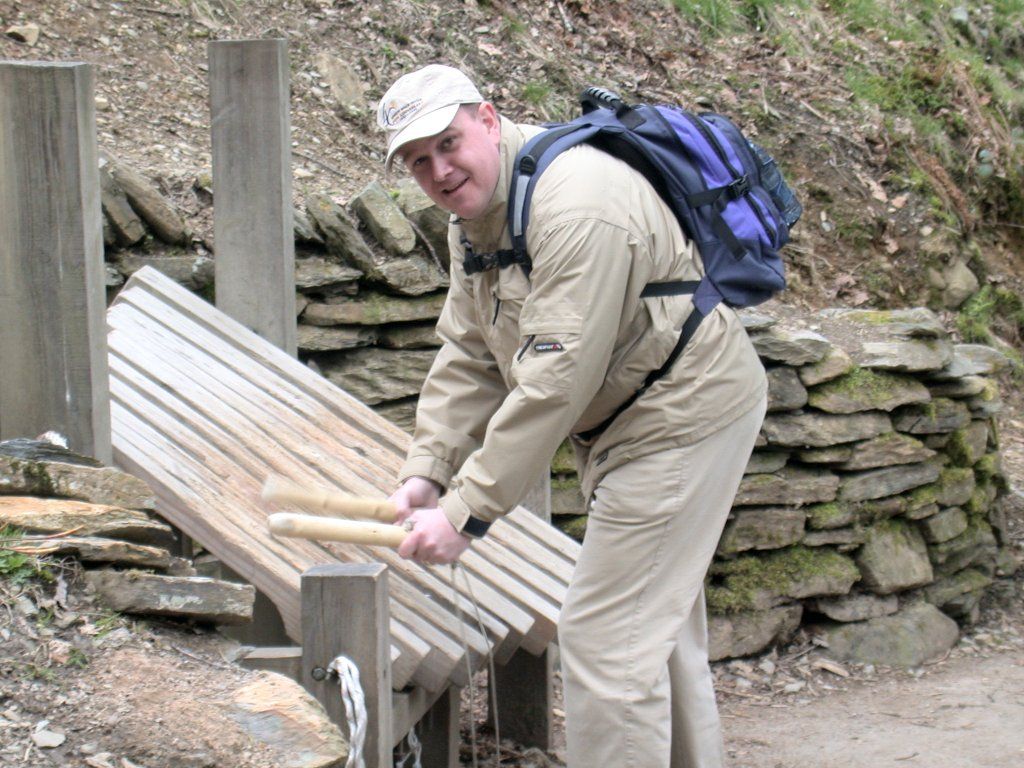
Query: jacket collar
x=488, y=231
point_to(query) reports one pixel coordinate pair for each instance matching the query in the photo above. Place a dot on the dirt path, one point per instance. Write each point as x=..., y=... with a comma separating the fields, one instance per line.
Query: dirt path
x=968, y=713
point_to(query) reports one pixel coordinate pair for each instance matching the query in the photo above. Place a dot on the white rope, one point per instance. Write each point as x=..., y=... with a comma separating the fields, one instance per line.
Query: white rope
x=492, y=681
x=355, y=708
x=492, y=678
x=416, y=751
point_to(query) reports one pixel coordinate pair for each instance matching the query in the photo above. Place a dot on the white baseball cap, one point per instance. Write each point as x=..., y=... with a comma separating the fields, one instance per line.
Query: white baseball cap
x=423, y=103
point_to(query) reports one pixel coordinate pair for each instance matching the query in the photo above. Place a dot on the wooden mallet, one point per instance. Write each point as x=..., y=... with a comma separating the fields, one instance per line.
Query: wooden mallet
x=281, y=491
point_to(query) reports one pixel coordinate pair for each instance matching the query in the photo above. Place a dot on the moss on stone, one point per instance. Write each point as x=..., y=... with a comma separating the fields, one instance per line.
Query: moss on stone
x=574, y=527
x=978, y=504
x=570, y=483
x=832, y=514
x=748, y=583
x=958, y=450
x=36, y=477
x=564, y=461
x=952, y=476
x=923, y=496
x=863, y=384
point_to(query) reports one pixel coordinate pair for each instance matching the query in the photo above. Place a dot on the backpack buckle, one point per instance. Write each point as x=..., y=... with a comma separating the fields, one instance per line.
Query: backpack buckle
x=738, y=188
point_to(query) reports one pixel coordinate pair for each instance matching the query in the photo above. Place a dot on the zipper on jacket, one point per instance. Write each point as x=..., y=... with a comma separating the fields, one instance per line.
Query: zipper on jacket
x=526, y=346
x=497, y=308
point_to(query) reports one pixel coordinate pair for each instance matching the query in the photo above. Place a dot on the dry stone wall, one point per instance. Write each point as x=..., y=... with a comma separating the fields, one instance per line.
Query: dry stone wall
x=871, y=499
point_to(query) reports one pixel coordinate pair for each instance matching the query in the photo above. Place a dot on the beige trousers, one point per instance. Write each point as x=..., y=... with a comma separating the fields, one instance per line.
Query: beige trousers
x=633, y=630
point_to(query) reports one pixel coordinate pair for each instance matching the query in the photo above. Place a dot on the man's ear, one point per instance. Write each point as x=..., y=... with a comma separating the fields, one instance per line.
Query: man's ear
x=488, y=115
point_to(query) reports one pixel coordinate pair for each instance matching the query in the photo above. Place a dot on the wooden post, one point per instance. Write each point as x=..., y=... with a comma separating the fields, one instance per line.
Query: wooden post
x=53, y=342
x=345, y=612
x=252, y=187
x=525, y=685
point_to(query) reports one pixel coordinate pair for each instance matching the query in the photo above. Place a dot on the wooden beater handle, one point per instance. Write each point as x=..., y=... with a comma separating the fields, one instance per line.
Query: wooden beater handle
x=281, y=491
x=332, y=529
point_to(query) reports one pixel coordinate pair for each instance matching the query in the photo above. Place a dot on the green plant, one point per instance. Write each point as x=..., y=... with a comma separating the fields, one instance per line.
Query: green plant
x=19, y=567
x=536, y=93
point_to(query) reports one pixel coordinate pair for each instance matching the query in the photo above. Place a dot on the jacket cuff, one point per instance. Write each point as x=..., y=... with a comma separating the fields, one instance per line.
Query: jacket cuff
x=430, y=467
x=461, y=517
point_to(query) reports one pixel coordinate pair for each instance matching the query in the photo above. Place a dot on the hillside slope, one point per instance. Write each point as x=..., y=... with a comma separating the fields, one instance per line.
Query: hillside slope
x=896, y=121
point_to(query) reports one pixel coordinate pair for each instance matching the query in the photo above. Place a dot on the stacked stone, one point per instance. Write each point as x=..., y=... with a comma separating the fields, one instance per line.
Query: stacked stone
x=874, y=486
x=372, y=280
x=135, y=211
x=54, y=502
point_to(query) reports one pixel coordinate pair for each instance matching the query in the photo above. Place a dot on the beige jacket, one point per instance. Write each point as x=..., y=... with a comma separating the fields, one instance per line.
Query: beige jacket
x=526, y=362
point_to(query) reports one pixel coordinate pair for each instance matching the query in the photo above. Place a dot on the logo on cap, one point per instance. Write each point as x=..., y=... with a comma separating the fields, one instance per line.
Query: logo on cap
x=393, y=113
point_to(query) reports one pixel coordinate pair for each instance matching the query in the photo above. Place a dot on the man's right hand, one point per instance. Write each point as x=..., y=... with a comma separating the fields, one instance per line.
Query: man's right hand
x=415, y=493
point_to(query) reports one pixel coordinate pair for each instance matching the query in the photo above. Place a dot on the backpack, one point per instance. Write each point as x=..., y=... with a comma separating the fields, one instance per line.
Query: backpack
x=726, y=192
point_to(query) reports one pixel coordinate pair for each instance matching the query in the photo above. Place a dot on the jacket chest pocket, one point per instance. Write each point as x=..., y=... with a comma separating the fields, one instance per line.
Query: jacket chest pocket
x=503, y=306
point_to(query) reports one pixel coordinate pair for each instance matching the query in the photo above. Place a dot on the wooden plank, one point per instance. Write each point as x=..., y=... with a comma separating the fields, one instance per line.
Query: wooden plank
x=345, y=613
x=284, y=660
x=531, y=550
x=252, y=199
x=52, y=289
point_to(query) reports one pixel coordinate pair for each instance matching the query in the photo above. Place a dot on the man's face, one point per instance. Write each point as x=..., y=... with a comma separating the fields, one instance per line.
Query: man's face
x=458, y=168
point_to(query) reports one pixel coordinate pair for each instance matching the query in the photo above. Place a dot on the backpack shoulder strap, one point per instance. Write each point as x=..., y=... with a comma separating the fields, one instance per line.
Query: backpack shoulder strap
x=532, y=160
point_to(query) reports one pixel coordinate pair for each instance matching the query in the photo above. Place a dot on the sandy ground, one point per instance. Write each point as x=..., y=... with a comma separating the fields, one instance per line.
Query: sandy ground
x=968, y=713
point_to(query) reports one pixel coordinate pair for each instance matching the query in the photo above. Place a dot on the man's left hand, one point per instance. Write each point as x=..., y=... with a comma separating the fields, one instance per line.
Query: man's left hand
x=433, y=540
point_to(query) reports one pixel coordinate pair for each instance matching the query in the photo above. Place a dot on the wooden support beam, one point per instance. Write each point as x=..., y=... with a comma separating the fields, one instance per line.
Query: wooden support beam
x=52, y=295
x=345, y=613
x=283, y=659
x=439, y=731
x=253, y=232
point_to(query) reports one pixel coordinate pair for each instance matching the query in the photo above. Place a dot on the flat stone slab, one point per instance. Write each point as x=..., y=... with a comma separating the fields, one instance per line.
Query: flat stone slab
x=374, y=309
x=966, y=446
x=886, y=450
x=408, y=336
x=758, y=582
x=818, y=430
x=91, y=549
x=378, y=375
x=972, y=360
x=944, y=525
x=742, y=634
x=317, y=272
x=968, y=386
x=280, y=712
x=766, y=461
x=939, y=415
x=97, y=485
x=894, y=558
x=857, y=607
x=790, y=485
x=792, y=347
x=888, y=481
x=316, y=338
x=908, y=340
x=867, y=390
x=82, y=518
x=153, y=207
x=183, y=597
x=975, y=546
x=843, y=539
x=762, y=528
x=834, y=364
x=945, y=591
x=384, y=218
x=917, y=634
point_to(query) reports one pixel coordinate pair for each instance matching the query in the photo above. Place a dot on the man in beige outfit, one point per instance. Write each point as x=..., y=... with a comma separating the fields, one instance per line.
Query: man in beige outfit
x=530, y=358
